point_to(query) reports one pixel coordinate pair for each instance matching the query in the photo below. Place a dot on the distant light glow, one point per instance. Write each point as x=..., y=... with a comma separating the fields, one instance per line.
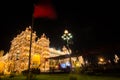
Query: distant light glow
x=101, y=59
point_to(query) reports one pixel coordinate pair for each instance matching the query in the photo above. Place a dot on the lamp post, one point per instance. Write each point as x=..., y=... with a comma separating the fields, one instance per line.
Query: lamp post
x=67, y=37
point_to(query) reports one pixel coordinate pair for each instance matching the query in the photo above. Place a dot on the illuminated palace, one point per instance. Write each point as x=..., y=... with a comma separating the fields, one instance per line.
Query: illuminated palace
x=17, y=57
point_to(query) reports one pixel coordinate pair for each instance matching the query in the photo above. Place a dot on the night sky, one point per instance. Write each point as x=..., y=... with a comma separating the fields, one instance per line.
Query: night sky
x=93, y=24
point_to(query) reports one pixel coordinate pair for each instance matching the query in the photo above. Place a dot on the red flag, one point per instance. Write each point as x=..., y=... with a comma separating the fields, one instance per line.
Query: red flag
x=44, y=10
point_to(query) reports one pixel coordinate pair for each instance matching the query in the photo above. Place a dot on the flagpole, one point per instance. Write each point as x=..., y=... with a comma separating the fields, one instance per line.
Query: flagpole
x=37, y=13
x=29, y=61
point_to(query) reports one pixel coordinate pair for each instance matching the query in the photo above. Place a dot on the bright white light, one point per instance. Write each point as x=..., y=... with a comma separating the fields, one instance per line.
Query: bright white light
x=66, y=31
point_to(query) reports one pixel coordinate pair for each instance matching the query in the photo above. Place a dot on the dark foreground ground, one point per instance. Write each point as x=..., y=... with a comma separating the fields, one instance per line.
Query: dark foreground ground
x=65, y=76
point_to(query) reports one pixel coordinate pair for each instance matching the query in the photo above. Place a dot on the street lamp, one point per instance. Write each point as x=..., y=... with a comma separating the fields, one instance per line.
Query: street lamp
x=67, y=37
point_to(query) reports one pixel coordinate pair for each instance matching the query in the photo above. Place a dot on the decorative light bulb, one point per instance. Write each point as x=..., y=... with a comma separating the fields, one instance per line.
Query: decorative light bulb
x=66, y=31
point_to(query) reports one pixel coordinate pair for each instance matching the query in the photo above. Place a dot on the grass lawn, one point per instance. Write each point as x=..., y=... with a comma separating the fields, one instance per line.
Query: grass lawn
x=62, y=77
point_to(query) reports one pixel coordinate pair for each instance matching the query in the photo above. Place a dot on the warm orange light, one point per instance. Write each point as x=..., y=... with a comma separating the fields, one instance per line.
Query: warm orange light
x=36, y=58
x=1, y=66
x=101, y=59
x=77, y=64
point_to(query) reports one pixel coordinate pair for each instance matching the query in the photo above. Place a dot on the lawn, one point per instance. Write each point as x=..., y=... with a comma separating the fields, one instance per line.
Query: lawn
x=62, y=77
